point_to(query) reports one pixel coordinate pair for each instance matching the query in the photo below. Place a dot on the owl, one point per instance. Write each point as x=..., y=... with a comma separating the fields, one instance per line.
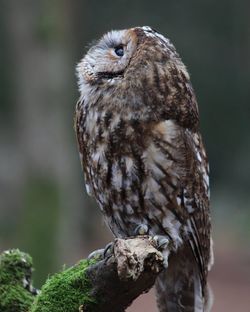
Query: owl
x=137, y=127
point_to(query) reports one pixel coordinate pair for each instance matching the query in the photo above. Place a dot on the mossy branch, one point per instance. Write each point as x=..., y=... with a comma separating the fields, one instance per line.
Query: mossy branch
x=108, y=284
x=119, y=279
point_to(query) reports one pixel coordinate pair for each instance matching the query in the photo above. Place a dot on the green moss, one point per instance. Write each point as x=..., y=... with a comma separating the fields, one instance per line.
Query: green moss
x=65, y=291
x=14, y=298
x=15, y=275
x=62, y=292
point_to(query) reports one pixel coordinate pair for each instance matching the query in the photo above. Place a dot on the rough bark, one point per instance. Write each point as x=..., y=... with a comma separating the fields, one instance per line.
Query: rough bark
x=122, y=277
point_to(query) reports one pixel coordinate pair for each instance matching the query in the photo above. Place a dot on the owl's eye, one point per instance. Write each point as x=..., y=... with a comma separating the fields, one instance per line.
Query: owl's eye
x=119, y=51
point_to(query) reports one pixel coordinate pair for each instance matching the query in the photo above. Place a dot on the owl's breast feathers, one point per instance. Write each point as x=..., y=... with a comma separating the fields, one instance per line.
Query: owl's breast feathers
x=152, y=172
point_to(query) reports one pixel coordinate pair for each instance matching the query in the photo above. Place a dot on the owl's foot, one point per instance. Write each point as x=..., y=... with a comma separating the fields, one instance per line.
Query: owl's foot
x=101, y=254
x=141, y=229
x=161, y=242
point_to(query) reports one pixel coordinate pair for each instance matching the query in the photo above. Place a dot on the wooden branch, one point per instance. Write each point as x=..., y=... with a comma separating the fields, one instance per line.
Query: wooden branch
x=128, y=272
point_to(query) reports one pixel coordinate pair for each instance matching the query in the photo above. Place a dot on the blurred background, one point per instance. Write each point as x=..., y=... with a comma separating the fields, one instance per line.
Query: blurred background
x=44, y=209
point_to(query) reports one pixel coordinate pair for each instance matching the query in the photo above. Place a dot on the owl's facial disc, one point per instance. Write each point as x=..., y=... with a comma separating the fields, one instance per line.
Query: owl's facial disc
x=115, y=52
x=109, y=58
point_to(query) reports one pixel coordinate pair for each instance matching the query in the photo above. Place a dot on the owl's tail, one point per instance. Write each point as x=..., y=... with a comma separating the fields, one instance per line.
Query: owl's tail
x=178, y=288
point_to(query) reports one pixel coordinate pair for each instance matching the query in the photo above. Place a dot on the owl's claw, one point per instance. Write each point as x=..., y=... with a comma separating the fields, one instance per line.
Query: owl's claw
x=96, y=254
x=101, y=254
x=161, y=241
x=141, y=229
x=108, y=250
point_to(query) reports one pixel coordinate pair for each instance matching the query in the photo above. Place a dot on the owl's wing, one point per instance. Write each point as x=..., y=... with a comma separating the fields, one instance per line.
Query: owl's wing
x=79, y=126
x=185, y=159
x=199, y=223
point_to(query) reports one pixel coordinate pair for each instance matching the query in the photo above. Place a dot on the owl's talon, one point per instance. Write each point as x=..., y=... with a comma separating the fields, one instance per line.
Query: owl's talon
x=141, y=229
x=103, y=253
x=161, y=241
x=96, y=254
x=108, y=250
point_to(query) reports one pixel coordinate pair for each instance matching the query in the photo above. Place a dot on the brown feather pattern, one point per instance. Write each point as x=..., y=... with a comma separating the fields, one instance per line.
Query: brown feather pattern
x=137, y=126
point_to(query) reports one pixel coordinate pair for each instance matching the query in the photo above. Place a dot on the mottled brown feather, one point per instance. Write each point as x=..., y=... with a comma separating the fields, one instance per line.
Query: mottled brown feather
x=137, y=126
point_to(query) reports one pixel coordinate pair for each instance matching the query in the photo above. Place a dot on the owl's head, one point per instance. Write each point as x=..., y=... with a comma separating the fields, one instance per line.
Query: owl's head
x=138, y=70
x=124, y=55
